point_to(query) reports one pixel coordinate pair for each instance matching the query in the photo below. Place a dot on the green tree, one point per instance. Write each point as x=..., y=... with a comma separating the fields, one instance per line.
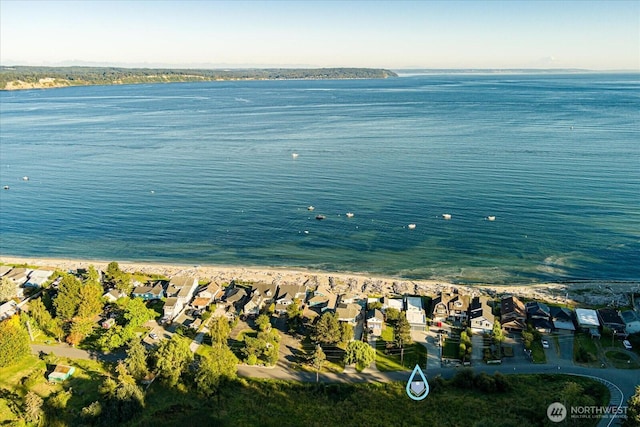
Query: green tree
x=80, y=328
x=294, y=315
x=91, y=303
x=346, y=332
x=219, y=329
x=392, y=315
x=118, y=278
x=8, y=289
x=93, y=277
x=136, y=360
x=498, y=337
x=263, y=322
x=136, y=313
x=327, y=330
x=633, y=410
x=14, y=341
x=402, y=335
x=317, y=360
x=121, y=401
x=218, y=366
x=68, y=299
x=360, y=353
x=172, y=358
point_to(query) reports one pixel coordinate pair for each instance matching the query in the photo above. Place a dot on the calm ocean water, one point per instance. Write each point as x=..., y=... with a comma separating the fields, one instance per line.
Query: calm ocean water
x=204, y=174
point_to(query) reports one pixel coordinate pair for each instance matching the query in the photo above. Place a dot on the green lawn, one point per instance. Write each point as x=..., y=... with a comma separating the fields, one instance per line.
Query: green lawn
x=620, y=360
x=537, y=352
x=585, y=350
x=392, y=360
x=450, y=349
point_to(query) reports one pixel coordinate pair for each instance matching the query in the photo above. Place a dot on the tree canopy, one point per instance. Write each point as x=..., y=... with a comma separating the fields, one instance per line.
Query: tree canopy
x=14, y=341
x=360, y=353
x=172, y=358
x=215, y=368
x=327, y=330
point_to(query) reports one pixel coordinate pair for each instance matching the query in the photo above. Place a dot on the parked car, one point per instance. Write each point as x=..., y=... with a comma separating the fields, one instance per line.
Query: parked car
x=627, y=344
x=545, y=344
x=153, y=336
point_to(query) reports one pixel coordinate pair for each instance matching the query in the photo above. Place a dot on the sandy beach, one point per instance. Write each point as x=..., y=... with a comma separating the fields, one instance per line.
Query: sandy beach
x=358, y=284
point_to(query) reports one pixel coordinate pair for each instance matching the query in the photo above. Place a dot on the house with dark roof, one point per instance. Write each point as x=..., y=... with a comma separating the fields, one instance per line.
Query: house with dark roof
x=562, y=318
x=323, y=299
x=212, y=291
x=537, y=310
x=513, y=314
x=287, y=294
x=611, y=319
x=267, y=291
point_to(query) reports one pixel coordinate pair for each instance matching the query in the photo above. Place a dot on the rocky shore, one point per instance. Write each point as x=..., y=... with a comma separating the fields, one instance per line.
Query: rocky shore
x=596, y=293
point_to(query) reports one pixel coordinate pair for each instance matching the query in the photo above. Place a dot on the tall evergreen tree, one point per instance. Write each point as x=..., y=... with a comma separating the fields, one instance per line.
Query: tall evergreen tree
x=14, y=341
x=172, y=358
x=327, y=329
x=136, y=360
x=216, y=368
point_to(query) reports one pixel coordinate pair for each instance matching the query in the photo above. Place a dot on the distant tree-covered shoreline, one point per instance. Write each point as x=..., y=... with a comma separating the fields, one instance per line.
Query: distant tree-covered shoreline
x=24, y=77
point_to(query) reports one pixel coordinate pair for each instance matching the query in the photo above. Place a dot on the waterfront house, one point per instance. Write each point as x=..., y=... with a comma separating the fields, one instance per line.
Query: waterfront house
x=538, y=310
x=287, y=294
x=481, y=318
x=631, y=321
x=323, y=299
x=611, y=319
x=349, y=313
x=18, y=276
x=587, y=320
x=254, y=305
x=212, y=291
x=375, y=320
x=182, y=287
x=172, y=308
x=395, y=303
x=37, y=278
x=148, y=293
x=8, y=309
x=113, y=295
x=513, y=314
x=267, y=292
x=562, y=319
x=415, y=314
x=4, y=269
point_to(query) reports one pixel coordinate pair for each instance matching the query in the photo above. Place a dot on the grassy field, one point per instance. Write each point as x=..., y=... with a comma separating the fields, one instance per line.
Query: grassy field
x=469, y=400
x=585, y=350
x=620, y=360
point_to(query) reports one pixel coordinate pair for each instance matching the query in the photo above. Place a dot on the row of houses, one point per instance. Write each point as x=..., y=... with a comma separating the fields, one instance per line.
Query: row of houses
x=24, y=278
x=478, y=313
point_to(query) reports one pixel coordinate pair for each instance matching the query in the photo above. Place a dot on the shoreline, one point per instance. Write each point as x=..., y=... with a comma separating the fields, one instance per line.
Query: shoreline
x=594, y=293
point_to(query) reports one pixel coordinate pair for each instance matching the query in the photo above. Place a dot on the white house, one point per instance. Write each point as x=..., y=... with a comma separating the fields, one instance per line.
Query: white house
x=172, y=307
x=415, y=314
x=631, y=321
x=8, y=309
x=37, y=278
x=375, y=320
x=480, y=315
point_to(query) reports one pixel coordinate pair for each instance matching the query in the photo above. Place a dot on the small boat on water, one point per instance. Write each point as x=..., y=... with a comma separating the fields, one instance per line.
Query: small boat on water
x=349, y=214
x=491, y=218
x=294, y=155
x=310, y=208
x=25, y=178
x=411, y=226
x=320, y=217
x=6, y=187
x=446, y=216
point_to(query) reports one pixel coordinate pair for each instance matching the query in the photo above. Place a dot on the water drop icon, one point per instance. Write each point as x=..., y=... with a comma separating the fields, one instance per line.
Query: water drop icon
x=417, y=386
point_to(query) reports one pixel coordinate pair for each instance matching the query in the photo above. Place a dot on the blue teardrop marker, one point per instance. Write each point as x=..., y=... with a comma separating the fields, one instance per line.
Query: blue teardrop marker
x=417, y=386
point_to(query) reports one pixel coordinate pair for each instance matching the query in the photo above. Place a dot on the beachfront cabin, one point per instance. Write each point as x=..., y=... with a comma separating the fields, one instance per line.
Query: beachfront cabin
x=113, y=295
x=61, y=373
x=4, y=269
x=18, y=276
x=323, y=299
x=212, y=291
x=349, y=313
x=182, y=287
x=395, y=303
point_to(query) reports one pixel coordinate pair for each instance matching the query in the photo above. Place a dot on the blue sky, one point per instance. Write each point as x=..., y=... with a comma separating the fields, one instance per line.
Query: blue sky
x=599, y=35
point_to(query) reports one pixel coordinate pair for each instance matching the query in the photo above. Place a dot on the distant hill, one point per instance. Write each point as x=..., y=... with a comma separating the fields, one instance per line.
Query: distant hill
x=23, y=77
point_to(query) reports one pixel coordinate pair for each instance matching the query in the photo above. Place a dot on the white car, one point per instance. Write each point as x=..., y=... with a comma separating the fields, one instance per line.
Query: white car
x=153, y=336
x=627, y=344
x=545, y=344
